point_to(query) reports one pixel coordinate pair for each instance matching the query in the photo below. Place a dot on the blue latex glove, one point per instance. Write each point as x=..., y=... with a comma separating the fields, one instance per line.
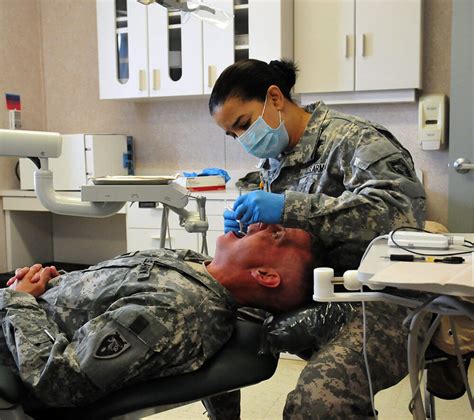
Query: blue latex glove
x=209, y=171
x=215, y=171
x=230, y=223
x=259, y=206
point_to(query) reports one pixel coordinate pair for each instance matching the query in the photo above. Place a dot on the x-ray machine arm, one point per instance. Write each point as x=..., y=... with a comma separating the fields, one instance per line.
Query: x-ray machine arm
x=96, y=200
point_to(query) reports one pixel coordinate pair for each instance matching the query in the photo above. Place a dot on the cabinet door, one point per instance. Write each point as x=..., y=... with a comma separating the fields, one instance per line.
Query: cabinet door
x=180, y=239
x=218, y=46
x=270, y=29
x=122, y=48
x=142, y=239
x=388, y=44
x=324, y=45
x=211, y=238
x=175, y=53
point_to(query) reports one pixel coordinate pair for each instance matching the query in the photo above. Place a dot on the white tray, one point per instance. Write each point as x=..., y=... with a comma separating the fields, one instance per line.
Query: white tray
x=134, y=180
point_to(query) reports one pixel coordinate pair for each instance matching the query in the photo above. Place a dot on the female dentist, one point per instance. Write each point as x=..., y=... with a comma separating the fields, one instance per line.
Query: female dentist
x=342, y=178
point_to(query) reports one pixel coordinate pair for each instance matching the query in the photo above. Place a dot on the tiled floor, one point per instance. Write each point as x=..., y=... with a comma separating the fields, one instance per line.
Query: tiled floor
x=265, y=401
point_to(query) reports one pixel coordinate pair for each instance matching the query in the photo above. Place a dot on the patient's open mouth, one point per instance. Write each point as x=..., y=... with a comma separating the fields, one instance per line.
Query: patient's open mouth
x=238, y=234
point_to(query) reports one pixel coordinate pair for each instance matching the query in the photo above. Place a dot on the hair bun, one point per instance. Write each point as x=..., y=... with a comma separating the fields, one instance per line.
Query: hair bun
x=285, y=70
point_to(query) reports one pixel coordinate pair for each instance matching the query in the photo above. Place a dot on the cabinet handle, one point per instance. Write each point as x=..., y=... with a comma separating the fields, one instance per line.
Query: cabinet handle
x=156, y=79
x=158, y=237
x=346, y=47
x=211, y=76
x=363, y=44
x=142, y=80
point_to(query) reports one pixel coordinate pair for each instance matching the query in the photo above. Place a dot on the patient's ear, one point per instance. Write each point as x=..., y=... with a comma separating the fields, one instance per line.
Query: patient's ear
x=267, y=277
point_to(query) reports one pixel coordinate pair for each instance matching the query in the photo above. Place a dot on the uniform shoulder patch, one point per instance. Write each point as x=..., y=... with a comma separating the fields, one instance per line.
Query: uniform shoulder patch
x=112, y=345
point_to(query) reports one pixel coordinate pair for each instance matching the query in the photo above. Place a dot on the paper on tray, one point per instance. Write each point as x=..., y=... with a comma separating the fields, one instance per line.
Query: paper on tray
x=454, y=279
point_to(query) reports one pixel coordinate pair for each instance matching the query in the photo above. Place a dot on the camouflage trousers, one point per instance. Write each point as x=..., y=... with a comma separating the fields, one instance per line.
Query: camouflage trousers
x=334, y=384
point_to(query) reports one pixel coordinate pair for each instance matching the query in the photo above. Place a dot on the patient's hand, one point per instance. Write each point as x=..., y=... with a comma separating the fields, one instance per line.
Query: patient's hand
x=34, y=280
x=21, y=272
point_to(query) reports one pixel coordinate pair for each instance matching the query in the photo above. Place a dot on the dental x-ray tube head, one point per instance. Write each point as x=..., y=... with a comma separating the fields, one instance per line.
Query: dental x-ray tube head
x=22, y=143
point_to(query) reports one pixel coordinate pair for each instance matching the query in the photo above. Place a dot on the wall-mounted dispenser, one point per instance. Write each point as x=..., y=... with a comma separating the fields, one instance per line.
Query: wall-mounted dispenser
x=432, y=119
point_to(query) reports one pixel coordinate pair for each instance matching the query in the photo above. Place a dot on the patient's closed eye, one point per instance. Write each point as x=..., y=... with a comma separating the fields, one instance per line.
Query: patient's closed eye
x=277, y=235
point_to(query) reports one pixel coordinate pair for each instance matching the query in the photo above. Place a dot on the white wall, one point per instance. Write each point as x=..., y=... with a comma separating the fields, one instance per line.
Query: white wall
x=58, y=38
x=20, y=73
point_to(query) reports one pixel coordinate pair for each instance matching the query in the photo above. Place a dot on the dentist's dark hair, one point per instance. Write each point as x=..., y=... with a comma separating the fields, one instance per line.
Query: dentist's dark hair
x=250, y=79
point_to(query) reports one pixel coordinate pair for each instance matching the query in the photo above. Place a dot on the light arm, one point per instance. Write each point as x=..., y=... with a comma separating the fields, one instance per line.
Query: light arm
x=196, y=8
x=67, y=205
x=180, y=6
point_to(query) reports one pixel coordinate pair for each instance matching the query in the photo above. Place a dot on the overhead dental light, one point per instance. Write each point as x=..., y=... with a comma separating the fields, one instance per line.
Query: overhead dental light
x=196, y=8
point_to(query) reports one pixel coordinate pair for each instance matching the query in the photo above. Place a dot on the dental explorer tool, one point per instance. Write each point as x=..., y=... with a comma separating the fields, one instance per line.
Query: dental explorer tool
x=240, y=232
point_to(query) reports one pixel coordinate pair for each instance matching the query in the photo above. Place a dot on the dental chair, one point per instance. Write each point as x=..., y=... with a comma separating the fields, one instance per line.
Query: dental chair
x=237, y=365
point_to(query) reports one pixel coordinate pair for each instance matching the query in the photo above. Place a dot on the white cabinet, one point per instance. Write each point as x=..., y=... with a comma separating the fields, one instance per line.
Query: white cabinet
x=144, y=230
x=146, y=51
x=175, y=53
x=143, y=239
x=122, y=49
x=218, y=46
x=149, y=51
x=357, y=45
x=248, y=36
x=389, y=37
x=271, y=29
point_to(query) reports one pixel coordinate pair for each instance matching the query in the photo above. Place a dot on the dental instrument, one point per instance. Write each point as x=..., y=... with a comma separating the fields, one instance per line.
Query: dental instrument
x=412, y=258
x=240, y=233
x=241, y=225
x=241, y=228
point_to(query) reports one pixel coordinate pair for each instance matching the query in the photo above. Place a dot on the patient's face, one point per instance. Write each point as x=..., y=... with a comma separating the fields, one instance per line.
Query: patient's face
x=264, y=245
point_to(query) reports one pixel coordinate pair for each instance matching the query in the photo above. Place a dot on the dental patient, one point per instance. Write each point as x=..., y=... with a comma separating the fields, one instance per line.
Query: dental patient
x=73, y=338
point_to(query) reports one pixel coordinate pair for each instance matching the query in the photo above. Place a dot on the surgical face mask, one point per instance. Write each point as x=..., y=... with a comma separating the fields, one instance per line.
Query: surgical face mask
x=262, y=141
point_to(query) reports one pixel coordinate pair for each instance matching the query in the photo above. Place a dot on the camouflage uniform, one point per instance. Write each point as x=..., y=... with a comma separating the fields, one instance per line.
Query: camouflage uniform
x=138, y=316
x=334, y=385
x=346, y=181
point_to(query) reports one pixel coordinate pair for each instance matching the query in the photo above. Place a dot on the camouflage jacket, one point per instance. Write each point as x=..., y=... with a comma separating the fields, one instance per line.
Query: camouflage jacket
x=137, y=316
x=347, y=181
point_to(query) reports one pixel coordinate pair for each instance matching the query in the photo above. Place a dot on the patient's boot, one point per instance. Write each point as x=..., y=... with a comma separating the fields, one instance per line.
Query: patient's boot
x=223, y=406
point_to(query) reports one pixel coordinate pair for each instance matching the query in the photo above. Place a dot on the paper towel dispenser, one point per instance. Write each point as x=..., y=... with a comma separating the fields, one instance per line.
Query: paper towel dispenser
x=432, y=117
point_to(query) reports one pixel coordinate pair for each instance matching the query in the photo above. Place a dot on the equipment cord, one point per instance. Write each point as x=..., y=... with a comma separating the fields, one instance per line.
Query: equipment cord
x=366, y=360
x=470, y=244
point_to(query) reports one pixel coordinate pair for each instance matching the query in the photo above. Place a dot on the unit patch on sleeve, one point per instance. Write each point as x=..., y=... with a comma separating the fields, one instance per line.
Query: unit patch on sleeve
x=111, y=346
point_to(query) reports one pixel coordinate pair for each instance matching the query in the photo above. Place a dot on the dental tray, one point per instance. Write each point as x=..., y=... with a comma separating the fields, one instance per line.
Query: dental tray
x=134, y=180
